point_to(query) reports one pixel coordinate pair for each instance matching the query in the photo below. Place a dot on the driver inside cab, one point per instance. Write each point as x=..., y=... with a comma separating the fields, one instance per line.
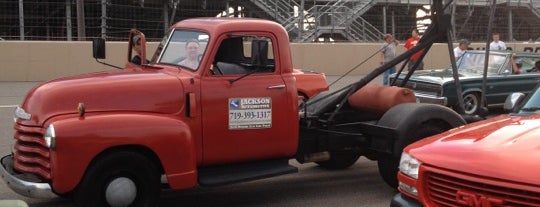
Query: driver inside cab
x=192, y=54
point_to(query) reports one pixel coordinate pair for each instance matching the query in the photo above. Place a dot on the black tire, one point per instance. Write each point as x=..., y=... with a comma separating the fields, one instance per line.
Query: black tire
x=68, y=196
x=412, y=122
x=340, y=160
x=127, y=171
x=388, y=164
x=471, y=103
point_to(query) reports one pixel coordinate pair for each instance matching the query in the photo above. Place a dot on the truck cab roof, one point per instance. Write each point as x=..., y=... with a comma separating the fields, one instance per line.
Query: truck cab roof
x=224, y=25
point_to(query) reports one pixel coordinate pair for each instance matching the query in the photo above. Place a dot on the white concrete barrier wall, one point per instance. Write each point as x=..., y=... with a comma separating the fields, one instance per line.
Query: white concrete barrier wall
x=44, y=60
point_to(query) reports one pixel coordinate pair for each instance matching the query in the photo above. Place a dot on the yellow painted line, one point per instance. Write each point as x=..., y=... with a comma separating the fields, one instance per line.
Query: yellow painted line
x=8, y=106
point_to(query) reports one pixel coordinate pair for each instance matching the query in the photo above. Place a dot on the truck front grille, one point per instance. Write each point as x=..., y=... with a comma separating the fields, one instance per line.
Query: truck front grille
x=446, y=190
x=31, y=153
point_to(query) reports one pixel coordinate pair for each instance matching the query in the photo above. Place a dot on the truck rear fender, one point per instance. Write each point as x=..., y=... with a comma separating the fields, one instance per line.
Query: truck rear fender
x=80, y=140
x=408, y=116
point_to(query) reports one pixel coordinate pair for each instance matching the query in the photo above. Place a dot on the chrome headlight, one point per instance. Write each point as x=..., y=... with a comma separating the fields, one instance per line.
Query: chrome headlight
x=50, y=137
x=408, y=165
x=21, y=114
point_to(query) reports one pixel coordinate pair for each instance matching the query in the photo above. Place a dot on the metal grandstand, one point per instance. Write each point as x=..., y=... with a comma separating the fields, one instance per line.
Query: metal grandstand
x=321, y=20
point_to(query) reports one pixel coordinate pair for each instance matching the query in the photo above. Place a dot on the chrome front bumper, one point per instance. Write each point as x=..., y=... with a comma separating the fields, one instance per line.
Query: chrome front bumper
x=21, y=186
x=429, y=98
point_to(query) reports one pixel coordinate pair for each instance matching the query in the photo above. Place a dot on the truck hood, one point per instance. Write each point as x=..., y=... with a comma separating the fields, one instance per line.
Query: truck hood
x=504, y=147
x=127, y=90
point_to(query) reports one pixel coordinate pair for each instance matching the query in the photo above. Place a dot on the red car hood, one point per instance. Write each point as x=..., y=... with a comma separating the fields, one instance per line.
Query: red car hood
x=126, y=90
x=505, y=147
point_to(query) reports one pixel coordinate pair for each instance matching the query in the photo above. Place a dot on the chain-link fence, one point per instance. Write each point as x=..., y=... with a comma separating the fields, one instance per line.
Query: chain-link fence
x=59, y=20
x=44, y=20
x=516, y=20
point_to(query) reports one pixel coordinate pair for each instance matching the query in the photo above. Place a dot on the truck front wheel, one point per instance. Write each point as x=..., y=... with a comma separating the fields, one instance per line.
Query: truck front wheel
x=120, y=179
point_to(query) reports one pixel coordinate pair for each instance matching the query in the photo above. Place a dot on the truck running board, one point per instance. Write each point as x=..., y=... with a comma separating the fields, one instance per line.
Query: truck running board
x=227, y=174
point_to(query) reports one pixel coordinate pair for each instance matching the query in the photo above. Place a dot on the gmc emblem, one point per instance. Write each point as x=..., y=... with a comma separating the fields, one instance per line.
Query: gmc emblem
x=477, y=200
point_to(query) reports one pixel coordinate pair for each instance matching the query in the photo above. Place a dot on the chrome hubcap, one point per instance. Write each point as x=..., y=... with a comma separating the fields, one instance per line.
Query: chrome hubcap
x=471, y=103
x=121, y=192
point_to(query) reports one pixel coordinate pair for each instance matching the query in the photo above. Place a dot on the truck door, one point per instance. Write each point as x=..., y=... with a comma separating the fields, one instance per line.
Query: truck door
x=246, y=109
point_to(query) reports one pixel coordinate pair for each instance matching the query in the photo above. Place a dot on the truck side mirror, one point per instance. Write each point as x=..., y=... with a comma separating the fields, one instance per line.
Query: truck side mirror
x=98, y=48
x=259, y=52
x=512, y=101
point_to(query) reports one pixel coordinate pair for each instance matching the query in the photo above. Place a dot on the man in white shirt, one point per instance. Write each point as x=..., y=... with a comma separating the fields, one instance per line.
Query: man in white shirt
x=461, y=48
x=497, y=44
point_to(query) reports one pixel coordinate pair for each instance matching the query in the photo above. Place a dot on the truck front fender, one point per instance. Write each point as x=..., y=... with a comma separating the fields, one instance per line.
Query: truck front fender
x=79, y=140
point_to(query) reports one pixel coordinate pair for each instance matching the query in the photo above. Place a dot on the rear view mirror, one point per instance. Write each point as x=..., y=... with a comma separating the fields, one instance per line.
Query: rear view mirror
x=98, y=48
x=512, y=101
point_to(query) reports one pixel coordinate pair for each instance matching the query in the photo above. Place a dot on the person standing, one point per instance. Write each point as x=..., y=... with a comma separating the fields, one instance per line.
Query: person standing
x=411, y=42
x=136, y=46
x=461, y=48
x=388, y=52
x=497, y=44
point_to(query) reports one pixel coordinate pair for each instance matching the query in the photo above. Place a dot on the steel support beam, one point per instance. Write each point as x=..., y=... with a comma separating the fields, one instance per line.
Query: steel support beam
x=68, y=21
x=384, y=19
x=81, y=31
x=510, y=25
x=103, y=18
x=165, y=18
x=21, y=20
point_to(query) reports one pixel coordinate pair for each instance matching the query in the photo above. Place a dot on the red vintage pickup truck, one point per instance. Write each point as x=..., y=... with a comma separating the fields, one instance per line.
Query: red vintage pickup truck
x=484, y=164
x=115, y=138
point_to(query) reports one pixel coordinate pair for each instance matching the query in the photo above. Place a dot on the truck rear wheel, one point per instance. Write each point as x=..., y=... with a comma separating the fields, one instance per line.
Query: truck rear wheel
x=388, y=163
x=340, y=159
x=120, y=179
x=412, y=122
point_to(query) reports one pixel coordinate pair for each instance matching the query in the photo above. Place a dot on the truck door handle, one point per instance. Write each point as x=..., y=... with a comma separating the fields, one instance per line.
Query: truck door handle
x=276, y=86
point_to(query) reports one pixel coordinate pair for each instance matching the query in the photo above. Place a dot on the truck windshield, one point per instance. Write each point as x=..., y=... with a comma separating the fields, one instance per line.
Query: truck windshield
x=182, y=47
